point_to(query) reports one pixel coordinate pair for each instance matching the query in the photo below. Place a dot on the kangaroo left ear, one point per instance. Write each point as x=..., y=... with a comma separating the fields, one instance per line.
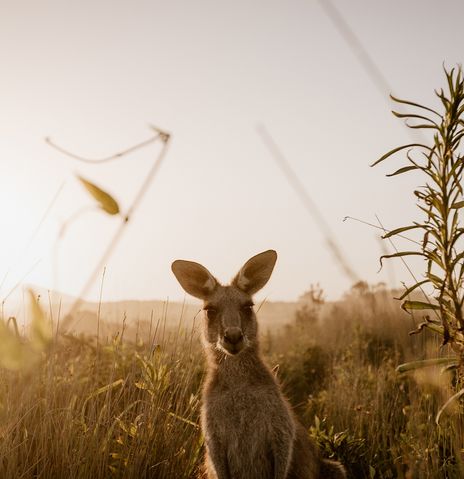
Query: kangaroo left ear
x=255, y=273
x=194, y=278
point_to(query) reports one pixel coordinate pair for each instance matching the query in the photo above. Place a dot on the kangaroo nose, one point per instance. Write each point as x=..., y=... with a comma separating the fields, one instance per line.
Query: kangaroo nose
x=233, y=335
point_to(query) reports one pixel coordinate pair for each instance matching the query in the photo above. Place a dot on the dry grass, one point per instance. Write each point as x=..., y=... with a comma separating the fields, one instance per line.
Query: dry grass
x=129, y=409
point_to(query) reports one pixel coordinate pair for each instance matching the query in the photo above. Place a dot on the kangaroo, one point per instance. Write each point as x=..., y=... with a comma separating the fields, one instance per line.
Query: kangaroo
x=249, y=427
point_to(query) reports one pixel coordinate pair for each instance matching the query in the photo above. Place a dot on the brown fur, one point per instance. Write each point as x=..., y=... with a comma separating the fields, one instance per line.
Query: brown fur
x=250, y=429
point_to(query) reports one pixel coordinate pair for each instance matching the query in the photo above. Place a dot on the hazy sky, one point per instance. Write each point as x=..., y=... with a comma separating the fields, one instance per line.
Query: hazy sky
x=93, y=74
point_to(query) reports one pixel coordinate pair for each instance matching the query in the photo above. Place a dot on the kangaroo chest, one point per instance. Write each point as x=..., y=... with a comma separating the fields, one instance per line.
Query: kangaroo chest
x=245, y=422
x=238, y=409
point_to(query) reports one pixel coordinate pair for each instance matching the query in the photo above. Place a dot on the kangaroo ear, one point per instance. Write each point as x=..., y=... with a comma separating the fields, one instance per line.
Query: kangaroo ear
x=194, y=278
x=255, y=273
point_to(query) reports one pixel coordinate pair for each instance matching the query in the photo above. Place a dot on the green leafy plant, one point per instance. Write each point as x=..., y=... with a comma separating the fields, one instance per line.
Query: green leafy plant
x=440, y=200
x=341, y=446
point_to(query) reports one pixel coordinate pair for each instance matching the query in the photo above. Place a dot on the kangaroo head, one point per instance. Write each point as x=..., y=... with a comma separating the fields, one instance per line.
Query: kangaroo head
x=230, y=321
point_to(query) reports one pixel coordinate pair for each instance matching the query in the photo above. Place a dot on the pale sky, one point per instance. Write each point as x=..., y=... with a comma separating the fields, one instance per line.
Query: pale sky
x=93, y=74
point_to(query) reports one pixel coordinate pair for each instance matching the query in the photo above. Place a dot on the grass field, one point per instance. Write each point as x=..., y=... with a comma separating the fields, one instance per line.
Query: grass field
x=129, y=408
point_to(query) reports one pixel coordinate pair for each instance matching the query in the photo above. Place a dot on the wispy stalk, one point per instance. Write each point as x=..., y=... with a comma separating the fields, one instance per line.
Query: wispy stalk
x=124, y=218
x=308, y=203
x=111, y=157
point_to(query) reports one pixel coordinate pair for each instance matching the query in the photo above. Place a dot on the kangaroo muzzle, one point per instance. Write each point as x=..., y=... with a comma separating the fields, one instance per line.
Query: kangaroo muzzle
x=233, y=340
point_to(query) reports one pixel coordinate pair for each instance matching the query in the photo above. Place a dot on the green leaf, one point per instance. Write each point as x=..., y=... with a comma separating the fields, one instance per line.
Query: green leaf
x=453, y=398
x=419, y=305
x=421, y=126
x=457, y=139
x=449, y=77
x=411, y=115
x=436, y=328
x=400, y=230
x=432, y=216
x=459, y=232
x=405, y=102
x=400, y=254
x=436, y=280
x=433, y=256
x=399, y=148
x=458, y=258
x=106, y=202
x=424, y=363
x=405, y=169
x=412, y=288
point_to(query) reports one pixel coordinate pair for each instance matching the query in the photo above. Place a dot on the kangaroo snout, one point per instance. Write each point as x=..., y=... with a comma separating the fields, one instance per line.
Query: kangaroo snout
x=233, y=340
x=233, y=335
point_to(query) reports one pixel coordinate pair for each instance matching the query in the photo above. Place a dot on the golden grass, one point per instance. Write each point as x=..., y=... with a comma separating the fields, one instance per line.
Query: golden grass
x=126, y=409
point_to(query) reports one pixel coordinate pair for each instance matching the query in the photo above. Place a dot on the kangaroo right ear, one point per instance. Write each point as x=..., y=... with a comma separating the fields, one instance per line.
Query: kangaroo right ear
x=255, y=273
x=194, y=278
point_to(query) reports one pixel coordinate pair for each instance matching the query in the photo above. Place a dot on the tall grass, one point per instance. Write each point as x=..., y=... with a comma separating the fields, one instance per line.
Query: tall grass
x=131, y=409
x=126, y=410
x=339, y=370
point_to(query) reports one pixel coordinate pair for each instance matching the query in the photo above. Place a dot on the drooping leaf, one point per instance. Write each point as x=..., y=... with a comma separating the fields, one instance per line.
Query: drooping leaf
x=457, y=205
x=421, y=126
x=424, y=363
x=453, y=398
x=412, y=115
x=400, y=254
x=400, y=230
x=412, y=288
x=436, y=280
x=406, y=102
x=457, y=139
x=456, y=260
x=404, y=169
x=106, y=202
x=435, y=327
x=399, y=148
x=448, y=368
x=457, y=235
x=419, y=305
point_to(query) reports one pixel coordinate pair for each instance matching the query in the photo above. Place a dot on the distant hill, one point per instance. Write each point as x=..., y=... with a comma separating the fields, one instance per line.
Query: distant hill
x=134, y=314
x=142, y=314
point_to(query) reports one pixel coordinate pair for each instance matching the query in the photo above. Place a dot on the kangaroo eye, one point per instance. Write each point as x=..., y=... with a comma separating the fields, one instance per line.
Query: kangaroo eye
x=211, y=313
x=248, y=309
